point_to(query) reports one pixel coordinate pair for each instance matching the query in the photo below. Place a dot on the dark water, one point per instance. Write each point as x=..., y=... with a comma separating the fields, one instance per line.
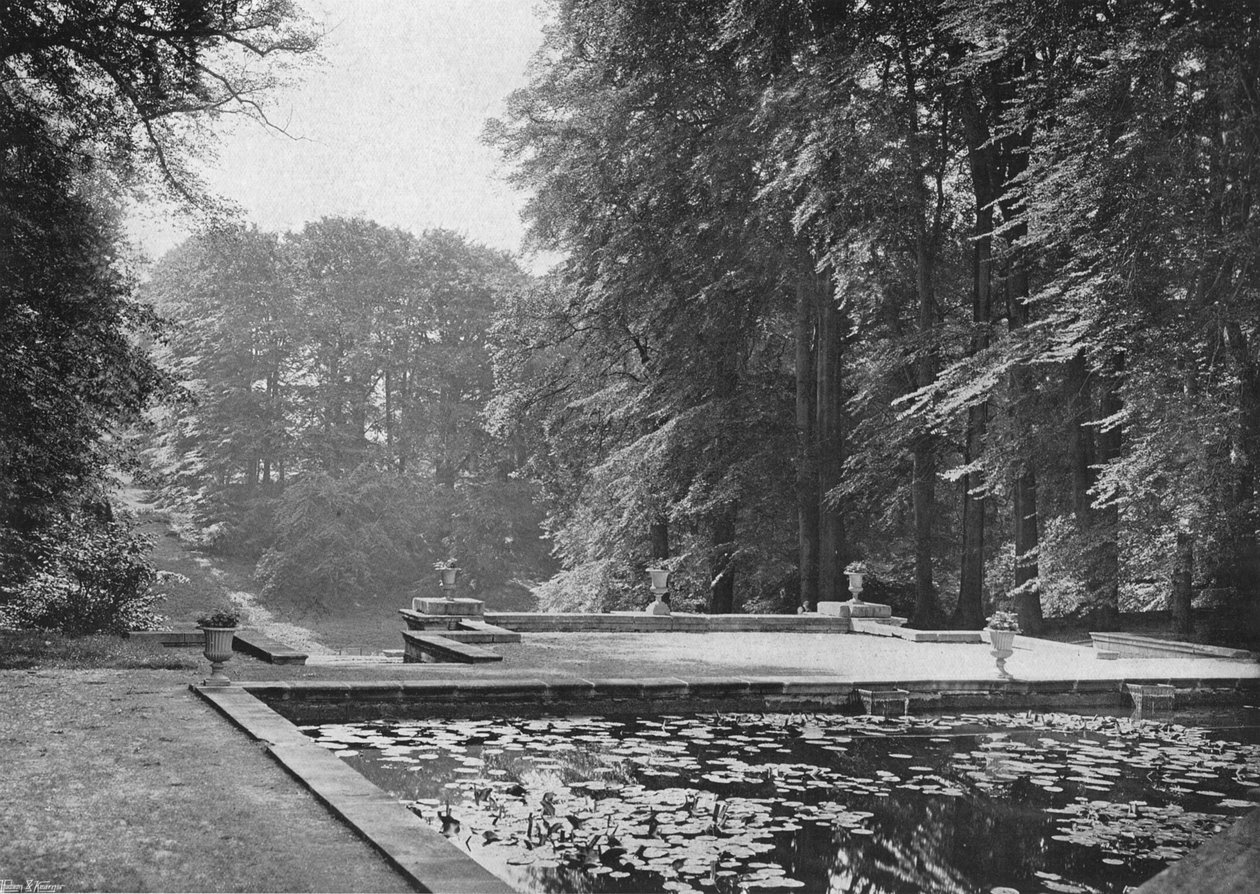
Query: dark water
x=730, y=803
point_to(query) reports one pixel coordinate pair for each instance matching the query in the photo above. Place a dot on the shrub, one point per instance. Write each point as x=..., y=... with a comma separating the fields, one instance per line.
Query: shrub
x=92, y=577
x=339, y=539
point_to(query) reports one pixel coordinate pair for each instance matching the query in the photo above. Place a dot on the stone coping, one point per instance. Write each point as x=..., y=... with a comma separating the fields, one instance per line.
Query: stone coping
x=1227, y=863
x=310, y=701
x=678, y=622
x=416, y=849
x=1136, y=645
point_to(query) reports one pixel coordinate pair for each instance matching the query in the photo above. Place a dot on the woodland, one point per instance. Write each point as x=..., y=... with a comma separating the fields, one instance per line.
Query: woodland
x=964, y=291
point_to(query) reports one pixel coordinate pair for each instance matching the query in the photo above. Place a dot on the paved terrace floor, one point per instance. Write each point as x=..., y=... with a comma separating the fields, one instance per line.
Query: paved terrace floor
x=846, y=656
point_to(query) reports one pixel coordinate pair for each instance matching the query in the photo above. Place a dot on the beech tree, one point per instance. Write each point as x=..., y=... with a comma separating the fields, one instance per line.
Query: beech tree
x=1014, y=238
x=96, y=99
x=334, y=381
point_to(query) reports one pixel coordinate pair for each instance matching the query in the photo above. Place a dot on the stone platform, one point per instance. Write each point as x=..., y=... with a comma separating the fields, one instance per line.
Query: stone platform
x=450, y=630
x=677, y=622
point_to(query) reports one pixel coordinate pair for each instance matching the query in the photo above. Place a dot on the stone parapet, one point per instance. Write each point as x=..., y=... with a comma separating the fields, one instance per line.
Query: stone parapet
x=1133, y=645
x=677, y=622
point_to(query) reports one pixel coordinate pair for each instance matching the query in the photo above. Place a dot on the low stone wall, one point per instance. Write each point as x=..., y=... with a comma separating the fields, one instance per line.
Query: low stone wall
x=1133, y=645
x=679, y=622
x=190, y=637
x=313, y=701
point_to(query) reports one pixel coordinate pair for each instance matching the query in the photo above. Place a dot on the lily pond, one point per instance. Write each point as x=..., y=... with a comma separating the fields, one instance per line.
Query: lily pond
x=993, y=803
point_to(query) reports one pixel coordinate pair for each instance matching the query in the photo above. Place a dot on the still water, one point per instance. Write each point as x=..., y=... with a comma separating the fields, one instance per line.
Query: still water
x=816, y=802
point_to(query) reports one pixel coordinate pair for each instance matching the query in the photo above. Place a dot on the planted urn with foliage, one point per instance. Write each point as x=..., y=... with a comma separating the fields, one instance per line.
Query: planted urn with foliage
x=1004, y=621
x=219, y=619
x=219, y=627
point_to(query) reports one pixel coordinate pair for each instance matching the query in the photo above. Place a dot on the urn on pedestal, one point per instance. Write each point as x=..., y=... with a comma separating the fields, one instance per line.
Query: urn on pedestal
x=1002, y=627
x=660, y=589
x=220, y=630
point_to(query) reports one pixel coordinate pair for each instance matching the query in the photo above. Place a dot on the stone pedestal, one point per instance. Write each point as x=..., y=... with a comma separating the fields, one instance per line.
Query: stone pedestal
x=657, y=608
x=439, y=613
x=886, y=702
x=852, y=609
x=462, y=606
x=1149, y=699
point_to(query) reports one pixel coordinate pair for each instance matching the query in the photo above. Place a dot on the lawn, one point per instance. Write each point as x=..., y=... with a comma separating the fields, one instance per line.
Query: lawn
x=122, y=780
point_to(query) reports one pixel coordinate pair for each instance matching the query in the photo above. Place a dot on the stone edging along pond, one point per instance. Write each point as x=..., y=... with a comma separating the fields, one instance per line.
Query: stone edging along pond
x=310, y=701
x=267, y=711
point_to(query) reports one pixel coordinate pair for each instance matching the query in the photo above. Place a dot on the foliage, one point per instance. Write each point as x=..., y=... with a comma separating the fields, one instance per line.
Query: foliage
x=129, y=83
x=331, y=428
x=70, y=369
x=1003, y=620
x=1037, y=221
x=338, y=537
x=92, y=576
x=221, y=618
x=96, y=99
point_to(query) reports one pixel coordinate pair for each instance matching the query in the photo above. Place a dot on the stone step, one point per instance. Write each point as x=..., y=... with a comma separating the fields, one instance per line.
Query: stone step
x=251, y=642
x=430, y=647
x=481, y=632
x=881, y=627
x=462, y=606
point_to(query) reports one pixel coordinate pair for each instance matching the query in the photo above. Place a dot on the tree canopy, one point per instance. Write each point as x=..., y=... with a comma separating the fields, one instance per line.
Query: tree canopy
x=96, y=100
x=997, y=255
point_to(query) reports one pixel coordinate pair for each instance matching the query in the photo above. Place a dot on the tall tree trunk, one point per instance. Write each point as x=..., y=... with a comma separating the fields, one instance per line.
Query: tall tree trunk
x=923, y=449
x=969, y=612
x=1182, y=580
x=1105, y=532
x=721, y=565
x=659, y=534
x=1027, y=540
x=832, y=583
x=1027, y=578
x=404, y=405
x=1080, y=438
x=927, y=609
x=389, y=418
x=807, y=481
x=1024, y=491
x=1244, y=547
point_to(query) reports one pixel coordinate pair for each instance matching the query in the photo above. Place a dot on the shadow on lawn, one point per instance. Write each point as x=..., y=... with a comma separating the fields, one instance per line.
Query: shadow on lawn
x=27, y=649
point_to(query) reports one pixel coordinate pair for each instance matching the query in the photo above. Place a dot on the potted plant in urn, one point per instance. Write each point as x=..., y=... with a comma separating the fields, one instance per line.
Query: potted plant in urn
x=448, y=574
x=1002, y=627
x=856, y=572
x=220, y=628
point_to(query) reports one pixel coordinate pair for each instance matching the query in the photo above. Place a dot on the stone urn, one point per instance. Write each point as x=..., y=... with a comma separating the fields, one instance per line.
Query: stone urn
x=1003, y=642
x=218, y=649
x=855, y=586
x=660, y=589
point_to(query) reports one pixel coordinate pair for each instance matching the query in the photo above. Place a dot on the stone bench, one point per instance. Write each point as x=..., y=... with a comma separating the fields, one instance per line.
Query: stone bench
x=251, y=642
x=432, y=647
x=1133, y=645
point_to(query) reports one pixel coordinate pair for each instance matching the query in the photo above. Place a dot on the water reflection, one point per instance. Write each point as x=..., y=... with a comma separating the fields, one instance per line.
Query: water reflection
x=753, y=803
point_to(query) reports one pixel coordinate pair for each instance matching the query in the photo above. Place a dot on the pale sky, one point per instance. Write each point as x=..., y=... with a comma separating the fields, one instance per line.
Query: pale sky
x=389, y=125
